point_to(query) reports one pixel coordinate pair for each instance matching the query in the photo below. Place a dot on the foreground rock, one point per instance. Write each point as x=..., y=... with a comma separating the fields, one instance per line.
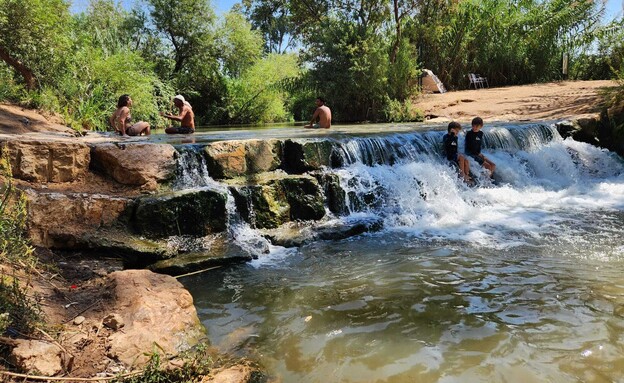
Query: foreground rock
x=37, y=357
x=140, y=164
x=156, y=310
x=235, y=374
x=47, y=160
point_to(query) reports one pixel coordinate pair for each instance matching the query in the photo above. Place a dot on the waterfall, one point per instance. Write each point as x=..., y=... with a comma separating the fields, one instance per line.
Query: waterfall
x=192, y=173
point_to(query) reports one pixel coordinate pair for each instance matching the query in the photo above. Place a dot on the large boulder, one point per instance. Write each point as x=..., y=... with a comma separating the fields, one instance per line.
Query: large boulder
x=60, y=220
x=230, y=159
x=157, y=312
x=46, y=160
x=195, y=212
x=140, y=164
x=273, y=202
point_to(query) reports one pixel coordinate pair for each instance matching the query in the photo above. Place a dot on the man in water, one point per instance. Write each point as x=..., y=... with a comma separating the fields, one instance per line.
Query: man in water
x=321, y=117
x=185, y=116
x=474, y=138
x=450, y=150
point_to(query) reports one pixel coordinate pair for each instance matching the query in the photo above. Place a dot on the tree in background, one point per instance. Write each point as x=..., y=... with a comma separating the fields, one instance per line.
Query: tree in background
x=273, y=19
x=34, y=37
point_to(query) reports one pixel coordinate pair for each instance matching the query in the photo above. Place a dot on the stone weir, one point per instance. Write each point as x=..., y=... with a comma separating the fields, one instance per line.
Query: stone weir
x=177, y=209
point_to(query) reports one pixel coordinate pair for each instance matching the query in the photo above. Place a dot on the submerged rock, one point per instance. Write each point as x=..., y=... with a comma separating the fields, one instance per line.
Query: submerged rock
x=195, y=212
x=296, y=234
x=143, y=164
x=47, y=160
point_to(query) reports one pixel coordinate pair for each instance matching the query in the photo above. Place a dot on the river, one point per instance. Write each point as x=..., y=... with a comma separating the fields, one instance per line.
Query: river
x=514, y=280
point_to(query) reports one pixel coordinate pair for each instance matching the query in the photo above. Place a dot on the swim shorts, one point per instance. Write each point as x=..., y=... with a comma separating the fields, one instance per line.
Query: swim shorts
x=183, y=130
x=478, y=159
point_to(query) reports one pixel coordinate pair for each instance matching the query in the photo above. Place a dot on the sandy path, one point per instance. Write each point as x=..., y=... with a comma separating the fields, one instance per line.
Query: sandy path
x=517, y=103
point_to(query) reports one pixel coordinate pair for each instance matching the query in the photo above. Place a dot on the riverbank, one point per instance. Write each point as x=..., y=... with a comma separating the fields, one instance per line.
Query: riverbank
x=534, y=102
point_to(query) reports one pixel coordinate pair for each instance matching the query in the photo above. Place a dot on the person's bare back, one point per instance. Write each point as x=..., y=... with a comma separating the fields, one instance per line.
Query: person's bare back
x=322, y=114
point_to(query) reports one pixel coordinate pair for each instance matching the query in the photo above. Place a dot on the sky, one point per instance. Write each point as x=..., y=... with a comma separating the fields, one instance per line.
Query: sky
x=614, y=7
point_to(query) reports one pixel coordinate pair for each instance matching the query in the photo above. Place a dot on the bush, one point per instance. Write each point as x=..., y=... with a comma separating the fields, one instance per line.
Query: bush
x=397, y=111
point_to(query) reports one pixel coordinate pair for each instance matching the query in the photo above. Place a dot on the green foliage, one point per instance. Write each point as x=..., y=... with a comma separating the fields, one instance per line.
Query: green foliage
x=258, y=96
x=397, y=111
x=34, y=37
x=240, y=46
x=273, y=19
x=17, y=311
x=197, y=363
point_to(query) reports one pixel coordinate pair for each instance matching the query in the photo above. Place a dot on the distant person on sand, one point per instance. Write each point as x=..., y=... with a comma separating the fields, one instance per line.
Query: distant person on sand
x=121, y=120
x=450, y=150
x=185, y=116
x=474, y=138
x=321, y=117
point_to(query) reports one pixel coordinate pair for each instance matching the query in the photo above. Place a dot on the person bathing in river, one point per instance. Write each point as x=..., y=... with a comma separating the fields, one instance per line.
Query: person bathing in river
x=474, y=138
x=321, y=117
x=450, y=150
x=121, y=120
x=185, y=116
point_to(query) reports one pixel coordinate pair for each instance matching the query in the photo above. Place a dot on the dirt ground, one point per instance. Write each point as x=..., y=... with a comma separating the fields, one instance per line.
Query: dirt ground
x=15, y=119
x=557, y=100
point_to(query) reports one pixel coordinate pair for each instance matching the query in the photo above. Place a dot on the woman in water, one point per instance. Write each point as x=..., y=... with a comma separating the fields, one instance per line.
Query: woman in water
x=121, y=120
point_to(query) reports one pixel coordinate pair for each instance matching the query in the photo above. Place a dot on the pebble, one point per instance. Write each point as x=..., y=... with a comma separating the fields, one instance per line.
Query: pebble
x=78, y=320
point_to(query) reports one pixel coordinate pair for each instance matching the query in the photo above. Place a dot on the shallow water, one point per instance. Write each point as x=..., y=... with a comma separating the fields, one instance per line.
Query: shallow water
x=514, y=281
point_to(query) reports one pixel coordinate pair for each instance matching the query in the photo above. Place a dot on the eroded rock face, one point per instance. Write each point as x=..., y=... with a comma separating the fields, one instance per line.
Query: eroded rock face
x=300, y=157
x=156, y=309
x=60, y=220
x=142, y=164
x=36, y=356
x=47, y=160
x=276, y=201
x=230, y=159
x=189, y=212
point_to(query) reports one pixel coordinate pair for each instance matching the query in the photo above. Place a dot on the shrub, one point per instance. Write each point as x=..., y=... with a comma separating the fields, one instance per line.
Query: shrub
x=397, y=111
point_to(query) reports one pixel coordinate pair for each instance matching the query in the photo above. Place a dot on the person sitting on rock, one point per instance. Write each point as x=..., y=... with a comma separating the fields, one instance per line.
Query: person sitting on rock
x=321, y=117
x=450, y=150
x=185, y=116
x=474, y=139
x=121, y=120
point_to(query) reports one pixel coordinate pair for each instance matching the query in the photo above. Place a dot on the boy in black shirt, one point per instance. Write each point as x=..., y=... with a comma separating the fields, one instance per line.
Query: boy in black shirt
x=450, y=150
x=474, y=137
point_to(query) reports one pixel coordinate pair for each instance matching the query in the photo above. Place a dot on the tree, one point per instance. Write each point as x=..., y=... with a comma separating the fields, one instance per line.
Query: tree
x=34, y=37
x=186, y=24
x=240, y=46
x=274, y=20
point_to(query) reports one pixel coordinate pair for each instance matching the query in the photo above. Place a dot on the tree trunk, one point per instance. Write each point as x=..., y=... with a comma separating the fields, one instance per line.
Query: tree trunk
x=397, y=42
x=29, y=77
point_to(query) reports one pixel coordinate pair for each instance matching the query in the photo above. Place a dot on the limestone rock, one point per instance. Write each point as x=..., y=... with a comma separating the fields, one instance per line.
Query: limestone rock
x=190, y=212
x=36, y=356
x=303, y=156
x=41, y=160
x=141, y=164
x=113, y=321
x=60, y=220
x=156, y=309
x=79, y=320
x=335, y=195
x=276, y=201
x=229, y=159
x=234, y=374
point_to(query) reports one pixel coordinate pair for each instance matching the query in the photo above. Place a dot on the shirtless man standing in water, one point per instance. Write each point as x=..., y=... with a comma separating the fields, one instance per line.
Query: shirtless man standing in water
x=185, y=116
x=322, y=114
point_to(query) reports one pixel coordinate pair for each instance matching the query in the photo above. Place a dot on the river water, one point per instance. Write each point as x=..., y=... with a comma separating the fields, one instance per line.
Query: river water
x=517, y=280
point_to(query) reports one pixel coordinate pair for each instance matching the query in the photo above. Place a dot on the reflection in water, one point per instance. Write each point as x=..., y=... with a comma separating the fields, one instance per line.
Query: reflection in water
x=393, y=309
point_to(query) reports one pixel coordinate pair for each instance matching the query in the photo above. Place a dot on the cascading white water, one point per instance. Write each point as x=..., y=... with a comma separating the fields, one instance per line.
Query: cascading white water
x=541, y=178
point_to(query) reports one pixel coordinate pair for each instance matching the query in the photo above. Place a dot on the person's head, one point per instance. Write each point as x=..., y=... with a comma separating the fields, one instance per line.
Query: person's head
x=454, y=127
x=477, y=124
x=124, y=100
x=178, y=100
x=320, y=101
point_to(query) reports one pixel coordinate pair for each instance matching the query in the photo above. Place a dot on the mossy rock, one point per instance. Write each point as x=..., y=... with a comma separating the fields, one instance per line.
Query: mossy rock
x=301, y=157
x=189, y=212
